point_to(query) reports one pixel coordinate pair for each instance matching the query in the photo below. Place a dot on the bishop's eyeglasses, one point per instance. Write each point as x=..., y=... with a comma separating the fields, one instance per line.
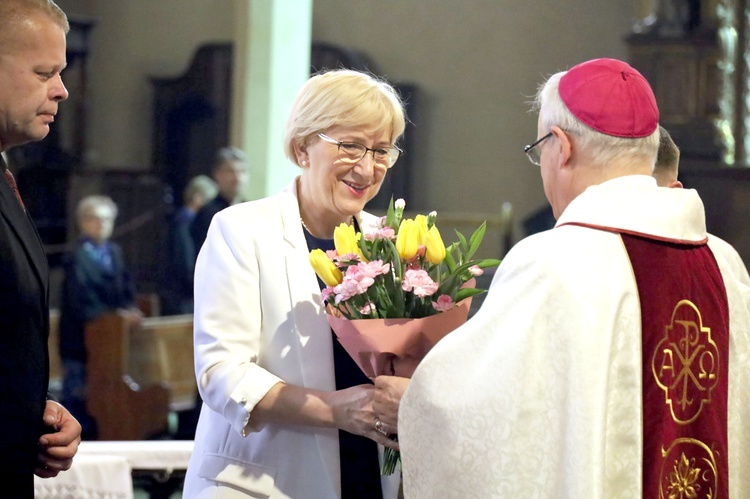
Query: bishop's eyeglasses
x=534, y=152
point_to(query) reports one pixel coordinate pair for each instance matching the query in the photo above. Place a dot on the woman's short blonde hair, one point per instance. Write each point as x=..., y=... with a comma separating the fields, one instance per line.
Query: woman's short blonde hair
x=343, y=98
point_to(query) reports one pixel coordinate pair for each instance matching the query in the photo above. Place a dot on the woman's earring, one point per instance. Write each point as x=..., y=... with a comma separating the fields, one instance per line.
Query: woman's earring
x=304, y=163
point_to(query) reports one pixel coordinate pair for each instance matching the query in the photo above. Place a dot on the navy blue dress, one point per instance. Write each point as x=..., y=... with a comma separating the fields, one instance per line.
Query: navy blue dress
x=360, y=469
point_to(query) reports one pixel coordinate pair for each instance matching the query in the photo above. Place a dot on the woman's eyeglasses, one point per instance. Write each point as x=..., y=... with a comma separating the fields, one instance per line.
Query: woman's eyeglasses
x=351, y=152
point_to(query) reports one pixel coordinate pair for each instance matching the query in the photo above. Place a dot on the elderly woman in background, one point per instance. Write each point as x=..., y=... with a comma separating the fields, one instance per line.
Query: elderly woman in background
x=286, y=411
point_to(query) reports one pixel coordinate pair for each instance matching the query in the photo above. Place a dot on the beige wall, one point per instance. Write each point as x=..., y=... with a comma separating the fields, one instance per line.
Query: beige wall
x=476, y=62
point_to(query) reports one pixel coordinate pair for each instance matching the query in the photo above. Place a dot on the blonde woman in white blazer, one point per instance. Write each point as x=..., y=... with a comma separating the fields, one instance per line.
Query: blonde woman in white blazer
x=272, y=416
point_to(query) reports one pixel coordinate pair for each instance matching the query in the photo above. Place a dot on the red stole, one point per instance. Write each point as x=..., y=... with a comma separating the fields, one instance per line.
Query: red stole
x=685, y=341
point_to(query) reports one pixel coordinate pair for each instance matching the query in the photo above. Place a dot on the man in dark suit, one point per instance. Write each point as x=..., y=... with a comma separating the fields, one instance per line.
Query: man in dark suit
x=39, y=436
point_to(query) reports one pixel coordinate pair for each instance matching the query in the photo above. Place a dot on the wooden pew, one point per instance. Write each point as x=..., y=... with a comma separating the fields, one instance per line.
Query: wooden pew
x=162, y=352
x=148, y=303
x=137, y=373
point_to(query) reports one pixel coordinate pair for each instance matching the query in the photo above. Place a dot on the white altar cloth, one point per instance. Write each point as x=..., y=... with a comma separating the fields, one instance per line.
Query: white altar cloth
x=90, y=477
x=161, y=455
x=103, y=469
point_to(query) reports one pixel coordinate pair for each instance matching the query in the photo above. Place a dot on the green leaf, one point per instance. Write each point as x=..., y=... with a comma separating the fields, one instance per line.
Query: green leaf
x=464, y=293
x=390, y=218
x=464, y=246
x=476, y=239
x=450, y=263
x=488, y=262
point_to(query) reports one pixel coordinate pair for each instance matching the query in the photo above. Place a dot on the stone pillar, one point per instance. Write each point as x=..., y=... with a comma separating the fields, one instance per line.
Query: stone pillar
x=271, y=62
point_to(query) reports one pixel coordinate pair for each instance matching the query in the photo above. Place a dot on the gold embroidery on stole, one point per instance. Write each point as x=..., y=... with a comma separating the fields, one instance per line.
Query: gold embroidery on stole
x=685, y=364
x=694, y=471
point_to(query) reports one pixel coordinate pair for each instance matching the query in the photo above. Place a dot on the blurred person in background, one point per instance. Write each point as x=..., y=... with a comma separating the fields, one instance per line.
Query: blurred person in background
x=182, y=252
x=96, y=281
x=229, y=171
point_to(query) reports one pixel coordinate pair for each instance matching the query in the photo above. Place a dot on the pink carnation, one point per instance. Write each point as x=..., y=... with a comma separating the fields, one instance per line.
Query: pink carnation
x=349, y=257
x=368, y=309
x=326, y=293
x=443, y=303
x=373, y=268
x=345, y=290
x=356, y=281
x=382, y=233
x=419, y=282
x=475, y=270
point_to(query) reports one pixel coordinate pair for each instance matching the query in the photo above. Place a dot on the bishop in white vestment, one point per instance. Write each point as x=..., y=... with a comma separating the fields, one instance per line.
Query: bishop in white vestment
x=611, y=357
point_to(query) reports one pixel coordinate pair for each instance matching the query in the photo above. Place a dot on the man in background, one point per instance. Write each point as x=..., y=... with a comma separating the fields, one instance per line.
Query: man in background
x=666, y=171
x=230, y=174
x=39, y=436
x=182, y=252
x=610, y=356
x=229, y=171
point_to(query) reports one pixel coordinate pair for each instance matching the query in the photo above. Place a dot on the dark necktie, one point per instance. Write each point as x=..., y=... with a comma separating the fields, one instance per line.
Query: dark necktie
x=11, y=181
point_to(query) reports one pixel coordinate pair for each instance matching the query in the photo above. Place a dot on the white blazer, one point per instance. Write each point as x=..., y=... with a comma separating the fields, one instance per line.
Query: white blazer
x=259, y=320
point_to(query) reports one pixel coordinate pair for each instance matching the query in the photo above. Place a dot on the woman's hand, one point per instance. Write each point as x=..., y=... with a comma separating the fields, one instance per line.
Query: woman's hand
x=350, y=410
x=353, y=412
x=388, y=393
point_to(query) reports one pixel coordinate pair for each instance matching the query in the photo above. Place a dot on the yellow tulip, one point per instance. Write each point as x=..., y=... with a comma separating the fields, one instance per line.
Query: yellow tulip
x=421, y=222
x=325, y=268
x=435, y=252
x=346, y=240
x=408, y=239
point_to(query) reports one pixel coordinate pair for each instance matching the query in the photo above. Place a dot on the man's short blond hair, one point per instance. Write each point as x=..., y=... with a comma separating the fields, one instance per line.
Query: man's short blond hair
x=14, y=13
x=17, y=11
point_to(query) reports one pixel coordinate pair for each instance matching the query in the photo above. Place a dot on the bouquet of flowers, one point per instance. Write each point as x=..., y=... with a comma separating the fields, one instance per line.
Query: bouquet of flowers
x=393, y=292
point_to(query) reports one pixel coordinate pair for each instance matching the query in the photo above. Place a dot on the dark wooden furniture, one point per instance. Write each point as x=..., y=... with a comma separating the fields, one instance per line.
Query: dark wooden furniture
x=123, y=408
x=191, y=117
x=725, y=192
x=685, y=76
x=138, y=373
x=700, y=87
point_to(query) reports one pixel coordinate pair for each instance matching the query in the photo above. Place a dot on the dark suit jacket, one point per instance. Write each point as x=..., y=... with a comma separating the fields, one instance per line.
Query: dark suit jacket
x=24, y=328
x=181, y=265
x=202, y=220
x=90, y=290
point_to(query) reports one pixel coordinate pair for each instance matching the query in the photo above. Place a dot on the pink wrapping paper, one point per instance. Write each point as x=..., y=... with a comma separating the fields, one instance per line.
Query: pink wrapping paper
x=395, y=346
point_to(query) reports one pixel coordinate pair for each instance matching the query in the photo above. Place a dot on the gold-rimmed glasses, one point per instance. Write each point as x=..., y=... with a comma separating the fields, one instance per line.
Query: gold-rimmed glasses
x=351, y=152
